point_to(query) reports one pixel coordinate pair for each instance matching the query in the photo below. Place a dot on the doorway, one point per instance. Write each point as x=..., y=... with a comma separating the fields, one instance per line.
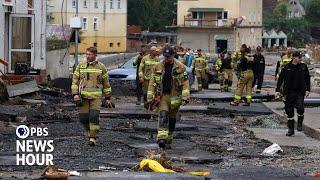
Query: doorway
x=21, y=40
x=221, y=45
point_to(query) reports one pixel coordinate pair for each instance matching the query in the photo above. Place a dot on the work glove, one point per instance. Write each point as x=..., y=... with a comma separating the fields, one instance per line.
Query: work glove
x=184, y=102
x=109, y=103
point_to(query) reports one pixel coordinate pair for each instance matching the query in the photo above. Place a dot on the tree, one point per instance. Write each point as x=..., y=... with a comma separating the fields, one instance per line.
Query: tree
x=297, y=29
x=313, y=12
x=151, y=14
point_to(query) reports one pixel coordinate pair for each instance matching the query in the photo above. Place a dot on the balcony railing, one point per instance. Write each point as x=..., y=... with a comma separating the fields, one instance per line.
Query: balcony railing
x=204, y=23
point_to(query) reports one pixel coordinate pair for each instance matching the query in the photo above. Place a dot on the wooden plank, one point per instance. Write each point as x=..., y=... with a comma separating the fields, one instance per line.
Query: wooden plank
x=22, y=88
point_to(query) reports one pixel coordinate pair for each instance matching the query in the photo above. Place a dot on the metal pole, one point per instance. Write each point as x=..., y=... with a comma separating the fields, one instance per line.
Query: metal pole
x=76, y=39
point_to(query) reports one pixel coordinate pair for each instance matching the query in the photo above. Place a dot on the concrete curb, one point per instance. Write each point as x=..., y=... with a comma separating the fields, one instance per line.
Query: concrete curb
x=308, y=129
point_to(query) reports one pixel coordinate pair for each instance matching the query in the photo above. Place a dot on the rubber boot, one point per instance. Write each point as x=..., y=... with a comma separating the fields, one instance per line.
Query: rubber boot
x=290, y=128
x=92, y=141
x=300, y=121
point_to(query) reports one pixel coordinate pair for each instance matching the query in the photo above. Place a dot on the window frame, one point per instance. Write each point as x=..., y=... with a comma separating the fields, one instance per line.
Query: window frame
x=85, y=22
x=111, y=4
x=73, y=3
x=96, y=4
x=85, y=3
x=119, y=4
x=95, y=23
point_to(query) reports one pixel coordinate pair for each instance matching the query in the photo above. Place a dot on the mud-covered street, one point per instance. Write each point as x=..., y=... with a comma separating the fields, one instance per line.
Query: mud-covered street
x=210, y=136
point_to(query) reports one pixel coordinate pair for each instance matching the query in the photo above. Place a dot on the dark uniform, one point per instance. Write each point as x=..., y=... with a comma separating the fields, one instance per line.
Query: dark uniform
x=226, y=68
x=139, y=91
x=258, y=71
x=295, y=79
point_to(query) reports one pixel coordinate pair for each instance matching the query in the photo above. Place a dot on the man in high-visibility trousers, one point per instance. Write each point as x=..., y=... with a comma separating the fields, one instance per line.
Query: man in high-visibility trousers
x=145, y=70
x=246, y=78
x=200, y=68
x=170, y=82
x=90, y=83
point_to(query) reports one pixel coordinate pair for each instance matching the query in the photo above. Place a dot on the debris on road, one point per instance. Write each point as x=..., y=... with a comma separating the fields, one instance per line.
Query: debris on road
x=53, y=172
x=272, y=150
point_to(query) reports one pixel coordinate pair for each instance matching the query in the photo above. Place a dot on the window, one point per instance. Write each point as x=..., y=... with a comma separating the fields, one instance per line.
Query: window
x=110, y=44
x=225, y=15
x=74, y=3
x=95, y=24
x=197, y=15
x=219, y=15
x=85, y=4
x=111, y=4
x=118, y=44
x=84, y=23
x=96, y=4
x=119, y=4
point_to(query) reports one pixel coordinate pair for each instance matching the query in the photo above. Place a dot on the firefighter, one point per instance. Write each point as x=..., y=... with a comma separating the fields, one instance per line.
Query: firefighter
x=227, y=72
x=258, y=69
x=283, y=61
x=145, y=70
x=236, y=56
x=136, y=62
x=170, y=82
x=89, y=83
x=246, y=78
x=295, y=79
x=200, y=68
x=218, y=65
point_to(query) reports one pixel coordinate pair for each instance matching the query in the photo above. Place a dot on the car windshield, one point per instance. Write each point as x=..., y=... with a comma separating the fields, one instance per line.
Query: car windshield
x=128, y=64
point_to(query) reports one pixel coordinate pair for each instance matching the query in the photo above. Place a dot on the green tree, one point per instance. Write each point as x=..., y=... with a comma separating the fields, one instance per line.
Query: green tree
x=313, y=12
x=151, y=14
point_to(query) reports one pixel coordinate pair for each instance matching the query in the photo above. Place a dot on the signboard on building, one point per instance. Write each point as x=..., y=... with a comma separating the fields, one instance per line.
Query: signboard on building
x=8, y=2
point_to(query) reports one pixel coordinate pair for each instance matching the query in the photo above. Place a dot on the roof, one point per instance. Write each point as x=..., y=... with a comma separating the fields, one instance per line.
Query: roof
x=205, y=10
x=161, y=34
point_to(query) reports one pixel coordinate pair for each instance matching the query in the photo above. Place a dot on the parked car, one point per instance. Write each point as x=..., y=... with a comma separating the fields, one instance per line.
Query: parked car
x=123, y=78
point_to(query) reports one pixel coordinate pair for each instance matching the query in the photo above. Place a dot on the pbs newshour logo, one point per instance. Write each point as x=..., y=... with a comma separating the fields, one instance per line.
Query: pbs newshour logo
x=22, y=131
x=31, y=151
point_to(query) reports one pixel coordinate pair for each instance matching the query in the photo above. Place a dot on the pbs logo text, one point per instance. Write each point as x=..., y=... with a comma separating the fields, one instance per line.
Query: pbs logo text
x=24, y=131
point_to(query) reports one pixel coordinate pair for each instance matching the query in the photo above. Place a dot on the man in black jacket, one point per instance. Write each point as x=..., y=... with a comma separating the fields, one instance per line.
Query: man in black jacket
x=258, y=69
x=296, y=85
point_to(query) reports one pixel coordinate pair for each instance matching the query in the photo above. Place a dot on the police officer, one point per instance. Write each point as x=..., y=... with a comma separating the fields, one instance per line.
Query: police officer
x=200, y=68
x=295, y=79
x=136, y=62
x=145, y=70
x=246, y=78
x=170, y=80
x=89, y=83
x=258, y=69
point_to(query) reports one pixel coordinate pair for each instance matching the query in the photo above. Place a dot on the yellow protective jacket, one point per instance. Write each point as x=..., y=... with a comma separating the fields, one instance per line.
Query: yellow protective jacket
x=200, y=63
x=146, y=67
x=236, y=56
x=180, y=87
x=218, y=65
x=91, y=80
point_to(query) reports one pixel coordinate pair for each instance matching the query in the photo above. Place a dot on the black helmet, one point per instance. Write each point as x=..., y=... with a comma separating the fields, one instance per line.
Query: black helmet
x=296, y=54
x=168, y=51
x=259, y=48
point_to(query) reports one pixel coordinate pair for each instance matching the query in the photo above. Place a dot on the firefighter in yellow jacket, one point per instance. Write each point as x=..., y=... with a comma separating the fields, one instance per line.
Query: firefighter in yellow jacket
x=145, y=70
x=170, y=81
x=90, y=83
x=200, y=68
x=236, y=56
x=246, y=78
x=283, y=61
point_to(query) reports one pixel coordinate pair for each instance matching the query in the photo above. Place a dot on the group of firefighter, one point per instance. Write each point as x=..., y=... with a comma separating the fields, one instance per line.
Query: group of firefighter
x=164, y=83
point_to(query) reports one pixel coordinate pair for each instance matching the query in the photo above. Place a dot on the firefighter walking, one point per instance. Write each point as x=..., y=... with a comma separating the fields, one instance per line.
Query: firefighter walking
x=258, y=69
x=136, y=62
x=246, y=78
x=200, y=68
x=170, y=81
x=90, y=83
x=295, y=79
x=145, y=70
x=224, y=69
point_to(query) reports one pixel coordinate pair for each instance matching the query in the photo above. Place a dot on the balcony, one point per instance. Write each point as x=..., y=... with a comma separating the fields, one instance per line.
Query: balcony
x=206, y=23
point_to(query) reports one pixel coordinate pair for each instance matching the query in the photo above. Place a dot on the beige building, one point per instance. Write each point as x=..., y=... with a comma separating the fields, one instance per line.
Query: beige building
x=104, y=22
x=216, y=25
